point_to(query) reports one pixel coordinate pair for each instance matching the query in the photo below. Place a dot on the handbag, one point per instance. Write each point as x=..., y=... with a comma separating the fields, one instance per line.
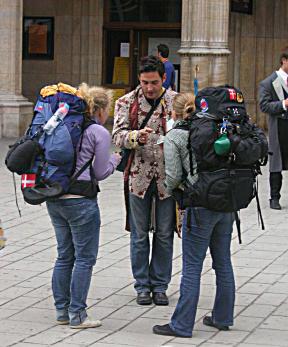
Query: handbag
x=126, y=152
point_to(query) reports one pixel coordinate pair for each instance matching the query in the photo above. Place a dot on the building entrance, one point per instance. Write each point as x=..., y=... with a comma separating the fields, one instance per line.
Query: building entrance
x=128, y=37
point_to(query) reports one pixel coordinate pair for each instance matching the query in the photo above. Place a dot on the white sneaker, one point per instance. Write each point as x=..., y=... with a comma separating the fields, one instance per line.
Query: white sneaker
x=87, y=324
x=62, y=322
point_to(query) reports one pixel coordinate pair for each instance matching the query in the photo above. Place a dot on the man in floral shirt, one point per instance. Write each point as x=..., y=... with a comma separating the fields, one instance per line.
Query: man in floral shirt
x=146, y=180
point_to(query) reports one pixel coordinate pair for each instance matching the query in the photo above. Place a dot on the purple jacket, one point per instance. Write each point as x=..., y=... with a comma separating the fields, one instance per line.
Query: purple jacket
x=96, y=142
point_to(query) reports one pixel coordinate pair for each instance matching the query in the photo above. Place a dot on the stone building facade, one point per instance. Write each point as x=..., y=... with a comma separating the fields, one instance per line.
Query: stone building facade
x=228, y=47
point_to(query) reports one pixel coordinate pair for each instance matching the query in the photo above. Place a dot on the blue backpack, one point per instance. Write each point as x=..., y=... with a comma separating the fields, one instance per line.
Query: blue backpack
x=50, y=160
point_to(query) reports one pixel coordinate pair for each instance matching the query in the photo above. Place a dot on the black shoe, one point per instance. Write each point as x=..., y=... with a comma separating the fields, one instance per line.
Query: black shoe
x=144, y=298
x=274, y=204
x=160, y=299
x=208, y=321
x=165, y=330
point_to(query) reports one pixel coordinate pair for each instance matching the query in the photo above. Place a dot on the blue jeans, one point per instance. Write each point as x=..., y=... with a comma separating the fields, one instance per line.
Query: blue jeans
x=155, y=276
x=208, y=229
x=77, y=224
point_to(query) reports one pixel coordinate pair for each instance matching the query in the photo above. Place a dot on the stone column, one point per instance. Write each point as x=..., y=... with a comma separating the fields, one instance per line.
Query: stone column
x=87, y=41
x=15, y=110
x=204, y=42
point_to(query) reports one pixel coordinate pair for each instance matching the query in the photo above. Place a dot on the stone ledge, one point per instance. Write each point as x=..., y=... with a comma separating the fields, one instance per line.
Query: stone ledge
x=15, y=115
x=204, y=51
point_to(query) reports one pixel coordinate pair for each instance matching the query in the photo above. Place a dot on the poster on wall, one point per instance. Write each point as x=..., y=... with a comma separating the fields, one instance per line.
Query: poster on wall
x=121, y=70
x=38, y=38
x=124, y=49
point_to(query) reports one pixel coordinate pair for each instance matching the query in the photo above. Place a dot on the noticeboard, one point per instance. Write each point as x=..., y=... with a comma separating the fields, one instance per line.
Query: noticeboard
x=38, y=38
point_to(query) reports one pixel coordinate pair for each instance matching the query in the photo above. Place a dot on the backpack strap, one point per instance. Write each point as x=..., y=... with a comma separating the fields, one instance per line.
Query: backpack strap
x=15, y=194
x=260, y=217
x=189, y=147
x=88, y=190
x=233, y=196
x=83, y=168
x=86, y=123
x=182, y=124
x=237, y=220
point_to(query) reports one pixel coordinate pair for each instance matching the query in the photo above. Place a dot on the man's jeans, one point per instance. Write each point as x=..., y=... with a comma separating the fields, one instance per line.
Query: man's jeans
x=76, y=223
x=156, y=275
x=208, y=229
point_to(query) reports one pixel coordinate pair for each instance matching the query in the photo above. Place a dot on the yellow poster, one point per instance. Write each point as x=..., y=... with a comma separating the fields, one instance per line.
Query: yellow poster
x=121, y=70
x=117, y=93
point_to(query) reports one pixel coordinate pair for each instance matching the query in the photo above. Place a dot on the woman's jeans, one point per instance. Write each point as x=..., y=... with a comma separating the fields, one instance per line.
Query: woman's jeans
x=208, y=229
x=156, y=275
x=77, y=223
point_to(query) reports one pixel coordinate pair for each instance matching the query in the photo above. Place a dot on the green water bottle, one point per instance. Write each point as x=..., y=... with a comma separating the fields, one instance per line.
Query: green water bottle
x=222, y=145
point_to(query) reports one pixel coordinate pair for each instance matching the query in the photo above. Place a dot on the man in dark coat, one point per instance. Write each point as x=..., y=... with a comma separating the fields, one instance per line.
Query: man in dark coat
x=273, y=93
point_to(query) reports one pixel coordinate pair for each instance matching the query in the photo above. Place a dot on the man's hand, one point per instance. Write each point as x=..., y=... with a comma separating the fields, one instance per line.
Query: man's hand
x=118, y=157
x=286, y=103
x=144, y=134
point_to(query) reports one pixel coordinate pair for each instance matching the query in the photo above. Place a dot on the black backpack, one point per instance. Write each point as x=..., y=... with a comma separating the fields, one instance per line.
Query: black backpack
x=228, y=150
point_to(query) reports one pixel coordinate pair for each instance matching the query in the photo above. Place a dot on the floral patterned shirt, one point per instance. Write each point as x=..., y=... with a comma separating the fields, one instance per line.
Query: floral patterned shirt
x=148, y=161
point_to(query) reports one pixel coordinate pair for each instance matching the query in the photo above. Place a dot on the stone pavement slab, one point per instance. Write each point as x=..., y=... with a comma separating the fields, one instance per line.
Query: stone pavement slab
x=27, y=317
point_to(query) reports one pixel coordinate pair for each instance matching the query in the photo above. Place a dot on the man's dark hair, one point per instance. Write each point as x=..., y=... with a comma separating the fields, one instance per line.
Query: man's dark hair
x=284, y=54
x=163, y=50
x=152, y=64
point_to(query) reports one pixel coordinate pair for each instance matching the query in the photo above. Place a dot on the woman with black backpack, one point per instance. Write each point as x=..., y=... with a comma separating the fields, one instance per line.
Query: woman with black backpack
x=202, y=228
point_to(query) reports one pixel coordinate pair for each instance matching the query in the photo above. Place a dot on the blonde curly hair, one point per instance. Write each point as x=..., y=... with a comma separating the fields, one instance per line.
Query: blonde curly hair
x=184, y=104
x=96, y=98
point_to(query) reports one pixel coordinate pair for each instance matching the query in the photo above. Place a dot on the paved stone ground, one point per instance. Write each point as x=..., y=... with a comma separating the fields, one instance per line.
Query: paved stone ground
x=26, y=304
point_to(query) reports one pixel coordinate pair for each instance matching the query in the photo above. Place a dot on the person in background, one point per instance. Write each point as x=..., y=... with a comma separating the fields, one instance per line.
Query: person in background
x=163, y=54
x=76, y=218
x=273, y=99
x=206, y=229
x=146, y=180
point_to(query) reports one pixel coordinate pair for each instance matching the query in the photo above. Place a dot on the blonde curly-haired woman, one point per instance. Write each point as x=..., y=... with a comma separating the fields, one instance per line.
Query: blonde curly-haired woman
x=76, y=217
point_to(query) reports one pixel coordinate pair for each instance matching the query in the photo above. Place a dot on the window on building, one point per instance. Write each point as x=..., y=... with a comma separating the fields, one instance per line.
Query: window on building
x=168, y=11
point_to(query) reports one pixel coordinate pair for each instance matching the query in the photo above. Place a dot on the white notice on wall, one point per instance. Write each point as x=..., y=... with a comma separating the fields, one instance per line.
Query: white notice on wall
x=124, y=49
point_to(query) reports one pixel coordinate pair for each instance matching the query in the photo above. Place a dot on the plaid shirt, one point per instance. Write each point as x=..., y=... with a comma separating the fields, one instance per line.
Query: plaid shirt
x=148, y=161
x=177, y=161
